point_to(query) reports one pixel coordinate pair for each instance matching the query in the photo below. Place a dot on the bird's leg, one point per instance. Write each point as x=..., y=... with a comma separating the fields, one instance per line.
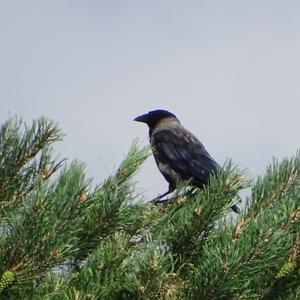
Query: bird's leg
x=157, y=199
x=171, y=189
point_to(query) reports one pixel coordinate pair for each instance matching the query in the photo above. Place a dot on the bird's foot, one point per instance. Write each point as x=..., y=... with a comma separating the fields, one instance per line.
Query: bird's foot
x=159, y=201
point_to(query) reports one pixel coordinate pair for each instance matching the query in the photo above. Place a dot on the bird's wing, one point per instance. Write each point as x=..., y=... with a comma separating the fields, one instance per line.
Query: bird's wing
x=184, y=153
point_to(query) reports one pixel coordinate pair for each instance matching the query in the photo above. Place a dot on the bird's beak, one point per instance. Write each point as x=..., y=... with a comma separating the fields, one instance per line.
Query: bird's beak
x=142, y=118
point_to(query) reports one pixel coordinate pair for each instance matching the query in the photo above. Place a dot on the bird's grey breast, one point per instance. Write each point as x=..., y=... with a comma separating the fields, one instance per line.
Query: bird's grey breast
x=167, y=171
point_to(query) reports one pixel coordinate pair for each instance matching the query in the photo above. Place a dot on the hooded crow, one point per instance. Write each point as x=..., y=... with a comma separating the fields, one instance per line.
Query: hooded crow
x=179, y=155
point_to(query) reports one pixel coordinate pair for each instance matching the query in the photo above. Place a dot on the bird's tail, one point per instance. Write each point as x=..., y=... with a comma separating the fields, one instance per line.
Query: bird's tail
x=235, y=208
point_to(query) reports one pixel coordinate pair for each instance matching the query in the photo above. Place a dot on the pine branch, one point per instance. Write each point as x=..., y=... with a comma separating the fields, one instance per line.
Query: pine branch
x=42, y=234
x=187, y=224
x=246, y=265
x=62, y=239
x=109, y=202
x=279, y=180
x=20, y=165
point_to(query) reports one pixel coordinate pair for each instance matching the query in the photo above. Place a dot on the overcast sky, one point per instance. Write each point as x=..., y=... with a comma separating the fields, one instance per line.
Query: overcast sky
x=230, y=71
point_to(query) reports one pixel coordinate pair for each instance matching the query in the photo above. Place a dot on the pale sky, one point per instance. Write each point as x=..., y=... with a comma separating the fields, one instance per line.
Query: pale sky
x=230, y=71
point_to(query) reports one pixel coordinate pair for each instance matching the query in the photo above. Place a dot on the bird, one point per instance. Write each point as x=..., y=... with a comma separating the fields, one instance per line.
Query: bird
x=179, y=154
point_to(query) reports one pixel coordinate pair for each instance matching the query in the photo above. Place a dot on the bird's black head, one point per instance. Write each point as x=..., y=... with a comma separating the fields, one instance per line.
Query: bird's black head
x=154, y=116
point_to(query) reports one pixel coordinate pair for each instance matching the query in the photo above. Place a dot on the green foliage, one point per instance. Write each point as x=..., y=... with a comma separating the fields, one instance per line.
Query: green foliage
x=62, y=238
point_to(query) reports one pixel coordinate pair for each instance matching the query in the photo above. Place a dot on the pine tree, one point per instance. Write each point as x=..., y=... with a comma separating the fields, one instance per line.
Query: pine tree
x=63, y=238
